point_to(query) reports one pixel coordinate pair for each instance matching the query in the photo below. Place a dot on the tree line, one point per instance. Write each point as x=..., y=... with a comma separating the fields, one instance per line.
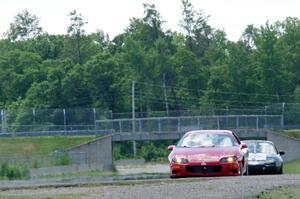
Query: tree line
x=197, y=67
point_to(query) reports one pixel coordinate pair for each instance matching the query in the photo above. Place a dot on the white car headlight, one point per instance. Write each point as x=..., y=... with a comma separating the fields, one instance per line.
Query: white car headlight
x=270, y=161
x=229, y=159
x=180, y=160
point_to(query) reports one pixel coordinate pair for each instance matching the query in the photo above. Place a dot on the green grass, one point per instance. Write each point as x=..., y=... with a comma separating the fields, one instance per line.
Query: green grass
x=292, y=192
x=295, y=133
x=79, y=174
x=39, y=145
x=292, y=167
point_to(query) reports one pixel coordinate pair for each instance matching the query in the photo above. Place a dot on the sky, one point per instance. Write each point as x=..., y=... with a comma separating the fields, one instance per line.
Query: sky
x=112, y=16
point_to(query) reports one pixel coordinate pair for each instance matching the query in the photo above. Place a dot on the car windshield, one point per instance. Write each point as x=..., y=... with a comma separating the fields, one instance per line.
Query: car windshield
x=207, y=140
x=261, y=147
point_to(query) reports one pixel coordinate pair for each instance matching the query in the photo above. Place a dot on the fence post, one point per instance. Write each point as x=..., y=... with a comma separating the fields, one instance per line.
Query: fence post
x=94, y=112
x=265, y=124
x=65, y=120
x=237, y=122
x=3, y=121
x=282, y=122
x=282, y=117
x=140, y=125
x=159, y=125
x=257, y=123
x=33, y=114
x=120, y=126
x=218, y=122
x=178, y=125
x=133, y=115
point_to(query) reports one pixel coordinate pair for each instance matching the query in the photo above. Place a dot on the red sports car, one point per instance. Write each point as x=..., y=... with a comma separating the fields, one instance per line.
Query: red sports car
x=208, y=153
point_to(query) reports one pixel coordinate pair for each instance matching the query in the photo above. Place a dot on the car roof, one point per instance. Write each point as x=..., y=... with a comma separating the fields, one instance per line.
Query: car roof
x=210, y=131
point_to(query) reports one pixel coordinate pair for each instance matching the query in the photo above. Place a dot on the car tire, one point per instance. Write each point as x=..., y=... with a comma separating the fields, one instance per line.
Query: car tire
x=280, y=170
x=247, y=171
x=241, y=170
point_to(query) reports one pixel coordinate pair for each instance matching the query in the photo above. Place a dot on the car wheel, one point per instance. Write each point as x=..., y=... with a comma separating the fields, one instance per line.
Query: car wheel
x=247, y=170
x=241, y=170
x=280, y=170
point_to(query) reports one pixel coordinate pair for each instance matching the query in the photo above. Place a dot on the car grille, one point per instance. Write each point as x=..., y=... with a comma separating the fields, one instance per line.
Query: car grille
x=204, y=169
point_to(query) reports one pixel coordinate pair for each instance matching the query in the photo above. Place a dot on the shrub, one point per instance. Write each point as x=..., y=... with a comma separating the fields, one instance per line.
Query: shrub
x=9, y=171
x=63, y=160
x=149, y=150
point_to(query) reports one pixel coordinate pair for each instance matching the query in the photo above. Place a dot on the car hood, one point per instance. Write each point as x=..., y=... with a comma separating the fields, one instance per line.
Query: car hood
x=207, y=154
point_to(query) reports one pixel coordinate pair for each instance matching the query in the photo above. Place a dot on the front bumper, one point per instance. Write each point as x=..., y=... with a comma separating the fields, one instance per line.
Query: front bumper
x=266, y=168
x=204, y=169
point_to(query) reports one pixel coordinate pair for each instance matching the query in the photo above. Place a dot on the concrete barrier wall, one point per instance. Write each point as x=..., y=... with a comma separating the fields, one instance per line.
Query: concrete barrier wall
x=290, y=146
x=97, y=152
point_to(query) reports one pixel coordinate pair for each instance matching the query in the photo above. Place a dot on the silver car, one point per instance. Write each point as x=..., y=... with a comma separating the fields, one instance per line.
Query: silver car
x=264, y=157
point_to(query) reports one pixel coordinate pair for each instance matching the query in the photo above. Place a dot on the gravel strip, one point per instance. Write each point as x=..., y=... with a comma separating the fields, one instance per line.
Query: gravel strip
x=210, y=188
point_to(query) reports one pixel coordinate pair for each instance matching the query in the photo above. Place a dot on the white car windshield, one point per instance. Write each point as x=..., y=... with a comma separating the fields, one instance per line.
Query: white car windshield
x=207, y=140
x=261, y=147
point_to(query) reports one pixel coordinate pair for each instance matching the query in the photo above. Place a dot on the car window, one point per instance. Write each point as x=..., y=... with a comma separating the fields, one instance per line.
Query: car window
x=266, y=148
x=207, y=140
x=251, y=147
x=261, y=147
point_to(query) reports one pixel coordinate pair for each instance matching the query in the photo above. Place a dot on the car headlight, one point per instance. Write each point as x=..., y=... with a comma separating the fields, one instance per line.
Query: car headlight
x=180, y=160
x=229, y=159
x=270, y=161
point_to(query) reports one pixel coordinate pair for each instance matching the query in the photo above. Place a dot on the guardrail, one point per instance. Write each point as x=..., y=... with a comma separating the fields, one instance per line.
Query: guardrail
x=180, y=124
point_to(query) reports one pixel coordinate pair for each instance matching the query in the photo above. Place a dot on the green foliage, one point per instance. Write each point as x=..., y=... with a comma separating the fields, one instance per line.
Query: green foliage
x=39, y=145
x=36, y=164
x=292, y=167
x=295, y=133
x=198, y=67
x=285, y=192
x=11, y=172
x=62, y=160
x=25, y=26
x=148, y=150
x=152, y=151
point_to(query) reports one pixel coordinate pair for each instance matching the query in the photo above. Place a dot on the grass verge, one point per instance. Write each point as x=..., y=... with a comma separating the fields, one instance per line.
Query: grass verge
x=39, y=145
x=292, y=192
x=295, y=133
x=291, y=167
x=80, y=174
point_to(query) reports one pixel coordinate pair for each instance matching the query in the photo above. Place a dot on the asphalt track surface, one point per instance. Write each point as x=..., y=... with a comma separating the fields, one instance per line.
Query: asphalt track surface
x=208, y=187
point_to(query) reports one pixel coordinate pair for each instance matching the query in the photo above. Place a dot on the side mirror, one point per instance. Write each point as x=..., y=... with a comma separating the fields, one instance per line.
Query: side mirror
x=171, y=147
x=244, y=146
x=281, y=152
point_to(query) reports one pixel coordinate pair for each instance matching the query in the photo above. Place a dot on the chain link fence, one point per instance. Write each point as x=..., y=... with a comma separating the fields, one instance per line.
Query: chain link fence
x=46, y=120
x=91, y=119
x=183, y=123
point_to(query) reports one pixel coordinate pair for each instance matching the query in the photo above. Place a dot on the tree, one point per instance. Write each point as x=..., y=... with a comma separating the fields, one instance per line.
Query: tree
x=195, y=25
x=101, y=75
x=18, y=70
x=249, y=37
x=274, y=77
x=24, y=26
x=76, y=33
x=49, y=91
x=148, y=29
